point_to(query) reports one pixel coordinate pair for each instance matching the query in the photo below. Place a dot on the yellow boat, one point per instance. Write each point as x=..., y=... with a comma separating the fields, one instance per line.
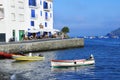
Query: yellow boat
x=26, y=58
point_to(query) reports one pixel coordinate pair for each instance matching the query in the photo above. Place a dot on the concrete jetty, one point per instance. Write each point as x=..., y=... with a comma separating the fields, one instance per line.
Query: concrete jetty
x=41, y=45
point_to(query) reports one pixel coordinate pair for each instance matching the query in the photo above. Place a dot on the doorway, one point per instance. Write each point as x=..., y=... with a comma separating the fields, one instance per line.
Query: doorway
x=21, y=35
x=2, y=37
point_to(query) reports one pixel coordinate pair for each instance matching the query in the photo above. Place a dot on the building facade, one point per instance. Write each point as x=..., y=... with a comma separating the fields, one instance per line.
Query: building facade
x=21, y=17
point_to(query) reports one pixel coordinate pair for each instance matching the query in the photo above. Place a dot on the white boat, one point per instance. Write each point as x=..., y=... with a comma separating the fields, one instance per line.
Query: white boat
x=72, y=63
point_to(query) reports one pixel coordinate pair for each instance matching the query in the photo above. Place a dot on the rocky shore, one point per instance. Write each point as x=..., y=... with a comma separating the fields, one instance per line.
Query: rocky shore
x=4, y=76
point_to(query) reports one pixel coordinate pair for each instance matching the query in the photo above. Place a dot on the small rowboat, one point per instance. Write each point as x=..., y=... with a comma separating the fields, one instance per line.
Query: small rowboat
x=72, y=63
x=27, y=58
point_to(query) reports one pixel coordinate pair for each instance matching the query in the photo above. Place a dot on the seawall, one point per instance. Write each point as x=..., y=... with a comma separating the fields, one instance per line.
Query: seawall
x=47, y=45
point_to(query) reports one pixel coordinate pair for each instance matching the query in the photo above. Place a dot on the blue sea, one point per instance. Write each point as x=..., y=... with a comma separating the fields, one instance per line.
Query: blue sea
x=107, y=63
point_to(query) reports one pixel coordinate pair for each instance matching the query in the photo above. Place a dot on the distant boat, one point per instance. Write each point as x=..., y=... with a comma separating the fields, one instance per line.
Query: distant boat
x=72, y=63
x=27, y=58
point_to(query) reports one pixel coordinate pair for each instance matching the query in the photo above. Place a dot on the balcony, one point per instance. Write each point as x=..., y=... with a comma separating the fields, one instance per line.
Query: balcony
x=47, y=9
x=34, y=17
x=34, y=6
x=50, y=0
x=47, y=19
x=46, y=6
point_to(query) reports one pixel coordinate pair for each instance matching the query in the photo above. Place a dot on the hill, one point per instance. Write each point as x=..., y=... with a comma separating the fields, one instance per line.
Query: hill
x=114, y=33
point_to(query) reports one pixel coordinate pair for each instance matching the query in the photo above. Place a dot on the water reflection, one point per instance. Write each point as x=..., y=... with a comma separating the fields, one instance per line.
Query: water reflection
x=40, y=70
x=22, y=62
x=74, y=73
x=80, y=68
x=18, y=65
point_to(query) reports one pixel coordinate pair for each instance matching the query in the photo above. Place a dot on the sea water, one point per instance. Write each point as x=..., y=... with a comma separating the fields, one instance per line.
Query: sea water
x=107, y=63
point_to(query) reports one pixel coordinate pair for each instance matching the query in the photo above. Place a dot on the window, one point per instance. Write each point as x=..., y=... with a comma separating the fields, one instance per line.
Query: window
x=45, y=5
x=40, y=13
x=1, y=4
x=50, y=6
x=40, y=2
x=32, y=23
x=13, y=34
x=45, y=24
x=51, y=15
x=33, y=13
x=32, y=2
x=46, y=15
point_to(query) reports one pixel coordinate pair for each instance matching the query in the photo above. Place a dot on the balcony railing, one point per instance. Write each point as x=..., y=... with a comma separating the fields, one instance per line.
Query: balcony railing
x=47, y=19
x=35, y=17
x=49, y=0
x=47, y=9
x=34, y=7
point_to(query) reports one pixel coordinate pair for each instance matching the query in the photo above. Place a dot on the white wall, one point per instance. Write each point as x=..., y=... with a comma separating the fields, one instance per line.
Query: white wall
x=9, y=23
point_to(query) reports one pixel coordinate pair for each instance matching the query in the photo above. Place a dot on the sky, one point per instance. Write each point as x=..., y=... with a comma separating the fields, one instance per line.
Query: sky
x=87, y=17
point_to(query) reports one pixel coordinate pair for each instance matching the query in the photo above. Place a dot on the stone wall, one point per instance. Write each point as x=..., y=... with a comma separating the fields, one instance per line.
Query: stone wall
x=42, y=45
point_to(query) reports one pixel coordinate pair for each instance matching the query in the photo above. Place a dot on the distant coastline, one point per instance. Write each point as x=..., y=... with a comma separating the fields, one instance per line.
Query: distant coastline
x=99, y=37
x=115, y=34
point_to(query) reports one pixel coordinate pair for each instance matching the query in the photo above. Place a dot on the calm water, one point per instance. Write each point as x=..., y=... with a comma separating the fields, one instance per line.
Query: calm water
x=107, y=67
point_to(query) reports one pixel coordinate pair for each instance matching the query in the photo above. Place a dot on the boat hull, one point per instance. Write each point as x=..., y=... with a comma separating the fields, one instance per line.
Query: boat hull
x=27, y=58
x=71, y=63
x=4, y=55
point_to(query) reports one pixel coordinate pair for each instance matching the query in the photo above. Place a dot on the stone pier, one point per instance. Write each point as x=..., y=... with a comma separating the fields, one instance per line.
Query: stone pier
x=42, y=45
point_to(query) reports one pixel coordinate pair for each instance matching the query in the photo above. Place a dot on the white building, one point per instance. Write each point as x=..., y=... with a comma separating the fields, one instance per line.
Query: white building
x=18, y=17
